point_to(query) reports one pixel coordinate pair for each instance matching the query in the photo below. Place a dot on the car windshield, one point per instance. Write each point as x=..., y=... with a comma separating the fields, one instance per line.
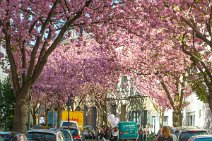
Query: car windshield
x=70, y=124
x=184, y=136
x=39, y=136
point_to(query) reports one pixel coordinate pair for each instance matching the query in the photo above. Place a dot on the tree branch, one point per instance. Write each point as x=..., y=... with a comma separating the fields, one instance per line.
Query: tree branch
x=68, y=23
x=39, y=38
x=43, y=50
x=167, y=93
x=23, y=58
x=13, y=66
x=198, y=33
x=182, y=94
x=196, y=59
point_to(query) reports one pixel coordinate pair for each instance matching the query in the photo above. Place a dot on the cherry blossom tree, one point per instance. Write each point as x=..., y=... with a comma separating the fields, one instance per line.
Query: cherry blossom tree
x=97, y=95
x=158, y=66
x=196, y=40
x=70, y=67
x=36, y=28
x=186, y=24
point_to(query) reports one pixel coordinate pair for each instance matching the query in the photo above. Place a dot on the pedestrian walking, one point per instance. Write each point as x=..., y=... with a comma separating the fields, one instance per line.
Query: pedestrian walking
x=107, y=133
x=115, y=134
x=101, y=135
x=140, y=133
x=165, y=134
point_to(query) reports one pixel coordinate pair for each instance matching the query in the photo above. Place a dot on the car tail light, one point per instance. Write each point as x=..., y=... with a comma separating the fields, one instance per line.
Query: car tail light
x=77, y=137
x=120, y=132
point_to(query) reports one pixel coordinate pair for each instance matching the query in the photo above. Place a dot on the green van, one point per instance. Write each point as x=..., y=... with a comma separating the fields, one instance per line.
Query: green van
x=128, y=130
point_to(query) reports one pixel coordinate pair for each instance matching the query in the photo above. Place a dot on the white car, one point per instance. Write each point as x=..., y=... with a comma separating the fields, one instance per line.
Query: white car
x=71, y=123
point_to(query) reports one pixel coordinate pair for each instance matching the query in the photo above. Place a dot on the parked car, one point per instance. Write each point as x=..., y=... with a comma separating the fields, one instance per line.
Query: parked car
x=70, y=123
x=186, y=133
x=76, y=133
x=67, y=134
x=45, y=135
x=12, y=136
x=89, y=132
x=201, y=138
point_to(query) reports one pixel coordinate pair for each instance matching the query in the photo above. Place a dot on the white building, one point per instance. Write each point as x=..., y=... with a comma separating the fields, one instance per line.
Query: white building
x=194, y=114
x=2, y=74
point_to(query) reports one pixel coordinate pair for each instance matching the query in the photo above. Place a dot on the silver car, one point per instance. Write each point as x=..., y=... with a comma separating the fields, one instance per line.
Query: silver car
x=45, y=135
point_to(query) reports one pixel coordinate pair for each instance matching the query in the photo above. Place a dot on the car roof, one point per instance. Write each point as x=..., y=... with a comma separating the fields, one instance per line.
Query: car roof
x=66, y=127
x=192, y=130
x=127, y=122
x=202, y=136
x=88, y=126
x=11, y=133
x=69, y=121
x=5, y=132
x=43, y=131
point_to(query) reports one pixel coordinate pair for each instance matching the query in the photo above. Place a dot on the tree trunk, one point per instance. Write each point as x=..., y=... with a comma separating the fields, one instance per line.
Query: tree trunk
x=105, y=114
x=34, y=119
x=104, y=118
x=59, y=118
x=21, y=110
x=177, y=118
x=46, y=116
x=161, y=119
x=33, y=113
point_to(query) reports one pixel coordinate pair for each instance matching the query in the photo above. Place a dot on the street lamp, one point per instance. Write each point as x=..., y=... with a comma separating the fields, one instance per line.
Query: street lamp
x=69, y=102
x=29, y=109
x=86, y=114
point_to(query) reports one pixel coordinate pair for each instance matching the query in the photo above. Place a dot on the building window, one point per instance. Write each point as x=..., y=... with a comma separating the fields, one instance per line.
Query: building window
x=165, y=120
x=191, y=119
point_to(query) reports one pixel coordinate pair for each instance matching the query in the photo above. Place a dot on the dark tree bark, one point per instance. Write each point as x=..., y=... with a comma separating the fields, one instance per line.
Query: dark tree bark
x=59, y=118
x=177, y=118
x=21, y=110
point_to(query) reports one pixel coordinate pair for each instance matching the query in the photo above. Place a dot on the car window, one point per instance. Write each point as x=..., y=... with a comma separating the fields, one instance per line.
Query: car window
x=5, y=137
x=71, y=124
x=10, y=137
x=74, y=132
x=66, y=134
x=184, y=136
x=41, y=136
